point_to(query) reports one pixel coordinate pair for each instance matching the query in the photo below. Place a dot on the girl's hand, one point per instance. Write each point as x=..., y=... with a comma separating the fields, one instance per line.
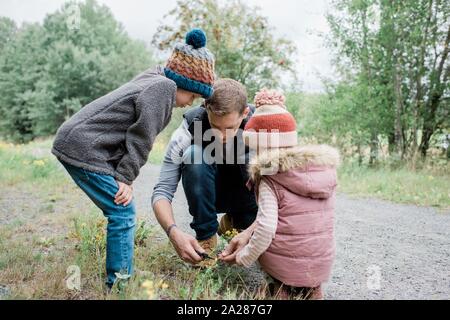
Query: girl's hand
x=235, y=245
x=124, y=195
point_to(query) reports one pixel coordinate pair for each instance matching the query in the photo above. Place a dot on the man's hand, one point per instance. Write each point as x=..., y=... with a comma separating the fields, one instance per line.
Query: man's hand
x=235, y=245
x=186, y=246
x=124, y=195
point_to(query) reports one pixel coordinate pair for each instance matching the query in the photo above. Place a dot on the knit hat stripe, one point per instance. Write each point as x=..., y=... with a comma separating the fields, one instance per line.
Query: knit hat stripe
x=188, y=84
x=183, y=55
x=201, y=53
x=201, y=72
x=270, y=139
x=283, y=122
x=271, y=126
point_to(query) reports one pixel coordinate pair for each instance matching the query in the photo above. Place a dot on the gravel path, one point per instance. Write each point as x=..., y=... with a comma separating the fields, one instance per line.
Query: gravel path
x=384, y=250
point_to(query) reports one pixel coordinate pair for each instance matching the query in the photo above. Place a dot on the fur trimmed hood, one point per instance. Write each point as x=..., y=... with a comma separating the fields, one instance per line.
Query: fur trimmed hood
x=293, y=158
x=308, y=171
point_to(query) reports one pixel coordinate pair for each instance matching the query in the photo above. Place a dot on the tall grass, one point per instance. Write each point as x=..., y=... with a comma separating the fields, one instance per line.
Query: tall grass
x=160, y=274
x=421, y=187
x=29, y=163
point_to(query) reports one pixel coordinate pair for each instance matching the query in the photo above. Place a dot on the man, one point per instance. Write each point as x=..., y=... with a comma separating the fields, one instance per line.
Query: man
x=207, y=151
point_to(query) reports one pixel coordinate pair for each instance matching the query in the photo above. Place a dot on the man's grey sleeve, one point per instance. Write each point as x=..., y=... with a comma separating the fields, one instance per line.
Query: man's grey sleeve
x=170, y=173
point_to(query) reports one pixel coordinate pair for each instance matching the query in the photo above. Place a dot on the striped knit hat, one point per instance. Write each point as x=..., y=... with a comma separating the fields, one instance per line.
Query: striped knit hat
x=191, y=65
x=271, y=126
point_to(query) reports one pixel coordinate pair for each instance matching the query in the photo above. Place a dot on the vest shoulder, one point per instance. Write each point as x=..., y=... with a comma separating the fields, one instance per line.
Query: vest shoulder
x=195, y=113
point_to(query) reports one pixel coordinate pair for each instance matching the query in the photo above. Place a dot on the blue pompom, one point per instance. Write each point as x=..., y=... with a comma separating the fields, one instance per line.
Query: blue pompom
x=196, y=38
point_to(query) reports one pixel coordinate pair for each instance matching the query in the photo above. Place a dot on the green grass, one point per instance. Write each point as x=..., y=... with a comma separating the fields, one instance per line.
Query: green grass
x=30, y=163
x=421, y=187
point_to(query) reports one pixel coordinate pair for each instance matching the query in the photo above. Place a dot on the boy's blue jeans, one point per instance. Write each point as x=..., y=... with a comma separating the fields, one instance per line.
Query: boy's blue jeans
x=121, y=219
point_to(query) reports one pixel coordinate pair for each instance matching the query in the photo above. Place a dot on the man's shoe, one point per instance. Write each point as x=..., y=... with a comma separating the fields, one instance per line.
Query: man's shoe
x=209, y=245
x=225, y=224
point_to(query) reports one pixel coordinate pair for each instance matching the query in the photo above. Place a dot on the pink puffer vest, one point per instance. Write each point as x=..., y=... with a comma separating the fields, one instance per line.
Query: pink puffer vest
x=302, y=252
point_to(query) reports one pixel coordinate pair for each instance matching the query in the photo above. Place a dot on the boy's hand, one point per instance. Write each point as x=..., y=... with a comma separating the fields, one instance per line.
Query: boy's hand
x=124, y=195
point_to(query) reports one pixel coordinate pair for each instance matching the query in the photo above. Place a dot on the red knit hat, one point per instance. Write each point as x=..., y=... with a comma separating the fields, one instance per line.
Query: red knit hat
x=271, y=126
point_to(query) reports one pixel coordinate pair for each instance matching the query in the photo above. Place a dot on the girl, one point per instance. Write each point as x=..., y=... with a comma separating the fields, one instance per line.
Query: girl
x=293, y=234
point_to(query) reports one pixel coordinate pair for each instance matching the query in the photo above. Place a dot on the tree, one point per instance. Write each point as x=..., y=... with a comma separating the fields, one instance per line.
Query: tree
x=21, y=70
x=49, y=71
x=396, y=52
x=353, y=36
x=240, y=38
x=8, y=30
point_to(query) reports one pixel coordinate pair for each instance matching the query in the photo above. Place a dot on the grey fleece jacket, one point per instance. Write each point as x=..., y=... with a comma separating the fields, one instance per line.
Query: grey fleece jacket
x=114, y=134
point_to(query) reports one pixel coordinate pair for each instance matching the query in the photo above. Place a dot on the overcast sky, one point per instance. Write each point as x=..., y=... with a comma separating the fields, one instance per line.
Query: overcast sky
x=298, y=20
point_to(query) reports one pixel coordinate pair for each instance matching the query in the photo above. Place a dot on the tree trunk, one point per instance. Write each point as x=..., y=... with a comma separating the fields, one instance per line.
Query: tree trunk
x=435, y=95
x=398, y=127
x=420, y=64
x=360, y=156
x=373, y=149
x=391, y=143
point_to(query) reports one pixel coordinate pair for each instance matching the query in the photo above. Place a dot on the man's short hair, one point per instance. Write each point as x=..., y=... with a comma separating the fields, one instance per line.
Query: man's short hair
x=229, y=96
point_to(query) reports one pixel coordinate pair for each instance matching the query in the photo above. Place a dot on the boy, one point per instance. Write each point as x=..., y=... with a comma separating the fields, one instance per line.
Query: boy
x=104, y=145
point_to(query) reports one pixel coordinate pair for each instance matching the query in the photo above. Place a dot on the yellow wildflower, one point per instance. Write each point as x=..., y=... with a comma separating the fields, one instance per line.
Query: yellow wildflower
x=149, y=287
x=148, y=284
x=39, y=163
x=98, y=237
x=230, y=234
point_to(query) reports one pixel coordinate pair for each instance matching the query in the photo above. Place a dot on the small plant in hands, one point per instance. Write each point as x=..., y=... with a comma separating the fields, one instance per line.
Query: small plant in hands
x=230, y=234
x=210, y=261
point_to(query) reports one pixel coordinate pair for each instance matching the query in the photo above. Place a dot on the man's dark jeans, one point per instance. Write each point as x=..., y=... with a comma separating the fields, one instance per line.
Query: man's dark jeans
x=215, y=188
